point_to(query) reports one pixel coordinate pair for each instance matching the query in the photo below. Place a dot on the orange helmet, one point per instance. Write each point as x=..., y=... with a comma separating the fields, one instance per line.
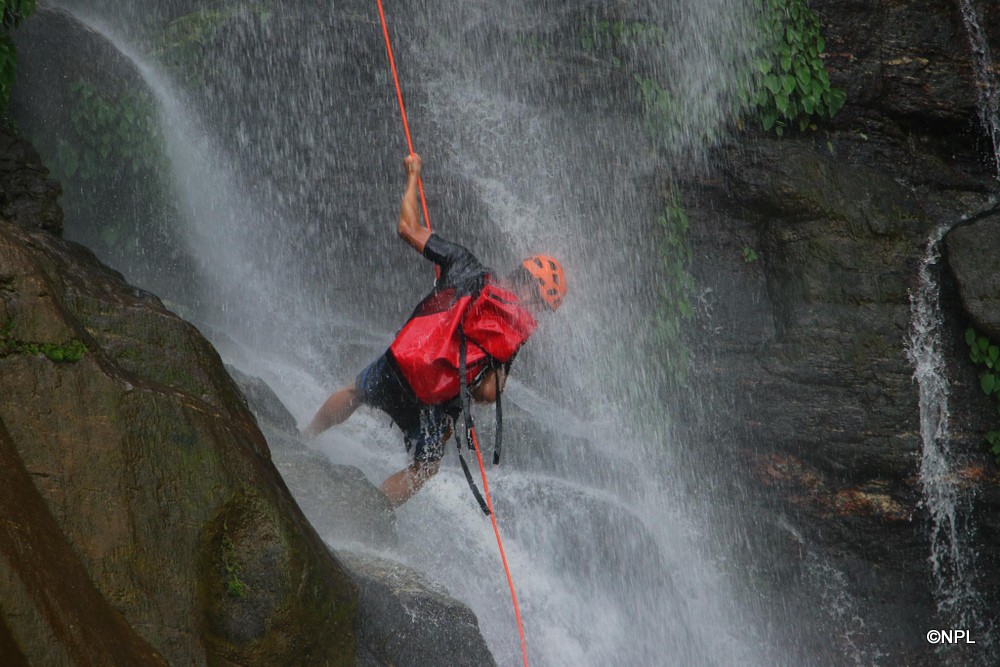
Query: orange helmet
x=548, y=273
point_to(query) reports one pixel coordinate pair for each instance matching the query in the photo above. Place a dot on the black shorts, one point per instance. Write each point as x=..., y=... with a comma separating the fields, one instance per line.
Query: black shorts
x=424, y=427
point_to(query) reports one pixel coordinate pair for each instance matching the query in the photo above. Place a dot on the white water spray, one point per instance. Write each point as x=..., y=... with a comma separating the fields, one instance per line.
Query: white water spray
x=951, y=559
x=613, y=560
x=989, y=89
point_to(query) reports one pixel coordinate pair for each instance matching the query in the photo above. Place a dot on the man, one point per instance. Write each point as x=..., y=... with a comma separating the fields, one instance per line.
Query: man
x=468, y=314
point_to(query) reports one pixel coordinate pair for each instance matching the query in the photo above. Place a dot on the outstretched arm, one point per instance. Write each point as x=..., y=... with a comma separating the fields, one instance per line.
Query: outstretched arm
x=409, y=227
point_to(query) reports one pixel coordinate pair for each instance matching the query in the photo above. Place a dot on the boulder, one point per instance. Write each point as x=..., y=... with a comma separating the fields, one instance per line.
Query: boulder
x=971, y=253
x=28, y=197
x=406, y=621
x=137, y=480
x=402, y=618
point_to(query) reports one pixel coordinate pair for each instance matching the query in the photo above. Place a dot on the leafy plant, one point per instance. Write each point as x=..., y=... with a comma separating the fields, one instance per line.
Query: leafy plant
x=749, y=254
x=123, y=132
x=112, y=142
x=14, y=11
x=675, y=288
x=616, y=42
x=186, y=42
x=660, y=107
x=69, y=352
x=984, y=353
x=606, y=34
x=794, y=86
x=234, y=585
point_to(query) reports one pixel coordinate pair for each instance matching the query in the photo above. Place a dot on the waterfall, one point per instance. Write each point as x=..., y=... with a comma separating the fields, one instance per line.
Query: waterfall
x=989, y=91
x=951, y=559
x=615, y=560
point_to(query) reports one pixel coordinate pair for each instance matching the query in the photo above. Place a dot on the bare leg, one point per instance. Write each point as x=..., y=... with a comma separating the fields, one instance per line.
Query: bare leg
x=400, y=486
x=335, y=410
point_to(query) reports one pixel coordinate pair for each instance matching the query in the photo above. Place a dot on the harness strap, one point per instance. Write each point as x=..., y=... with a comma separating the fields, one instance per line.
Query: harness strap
x=499, y=405
x=468, y=477
x=469, y=425
x=499, y=434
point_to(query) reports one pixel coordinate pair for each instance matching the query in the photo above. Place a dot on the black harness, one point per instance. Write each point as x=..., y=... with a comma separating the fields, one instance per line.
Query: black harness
x=470, y=427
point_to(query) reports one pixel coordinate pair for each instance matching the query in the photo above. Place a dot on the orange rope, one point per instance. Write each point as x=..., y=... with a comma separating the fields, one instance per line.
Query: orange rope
x=402, y=108
x=475, y=440
x=503, y=556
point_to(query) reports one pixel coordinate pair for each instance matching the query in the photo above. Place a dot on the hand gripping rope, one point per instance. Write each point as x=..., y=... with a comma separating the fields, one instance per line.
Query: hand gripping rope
x=472, y=431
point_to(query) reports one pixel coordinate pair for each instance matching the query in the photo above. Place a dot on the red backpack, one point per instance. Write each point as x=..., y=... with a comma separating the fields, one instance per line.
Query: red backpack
x=427, y=348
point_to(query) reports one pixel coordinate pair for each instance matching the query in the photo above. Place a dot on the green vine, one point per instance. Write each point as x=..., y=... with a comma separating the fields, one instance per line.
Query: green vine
x=68, y=352
x=14, y=11
x=794, y=87
x=607, y=35
x=185, y=42
x=109, y=135
x=615, y=42
x=234, y=585
x=112, y=142
x=984, y=353
x=675, y=288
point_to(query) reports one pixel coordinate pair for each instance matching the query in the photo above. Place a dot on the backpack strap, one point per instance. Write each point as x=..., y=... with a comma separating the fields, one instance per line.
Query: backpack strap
x=468, y=478
x=496, y=378
x=469, y=425
x=499, y=433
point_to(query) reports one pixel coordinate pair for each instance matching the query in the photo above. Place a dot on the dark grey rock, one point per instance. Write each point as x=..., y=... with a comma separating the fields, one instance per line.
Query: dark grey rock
x=972, y=258
x=403, y=620
x=28, y=198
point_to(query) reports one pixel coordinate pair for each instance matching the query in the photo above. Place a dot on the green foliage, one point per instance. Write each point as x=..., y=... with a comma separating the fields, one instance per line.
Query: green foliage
x=14, y=11
x=660, y=107
x=615, y=42
x=675, y=288
x=109, y=135
x=749, y=254
x=605, y=34
x=68, y=352
x=186, y=41
x=984, y=353
x=794, y=87
x=111, y=143
x=234, y=586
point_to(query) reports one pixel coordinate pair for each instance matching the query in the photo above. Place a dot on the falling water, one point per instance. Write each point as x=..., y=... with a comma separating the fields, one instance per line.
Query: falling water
x=614, y=561
x=951, y=559
x=989, y=91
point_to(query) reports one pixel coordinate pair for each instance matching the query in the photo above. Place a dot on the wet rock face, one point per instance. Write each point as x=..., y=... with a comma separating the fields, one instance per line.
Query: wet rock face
x=806, y=346
x=136, y=468
x=28, y=198
x=905, y=60
x=971, y=255
x=402, y=619
x=406, y=621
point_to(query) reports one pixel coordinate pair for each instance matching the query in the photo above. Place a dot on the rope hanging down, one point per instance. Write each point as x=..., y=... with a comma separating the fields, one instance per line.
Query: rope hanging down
x=472, y=431
x=402, y=108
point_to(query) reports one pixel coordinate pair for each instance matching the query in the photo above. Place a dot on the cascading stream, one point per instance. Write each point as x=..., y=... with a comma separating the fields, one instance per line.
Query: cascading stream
x=989, y=90
x=951, y=559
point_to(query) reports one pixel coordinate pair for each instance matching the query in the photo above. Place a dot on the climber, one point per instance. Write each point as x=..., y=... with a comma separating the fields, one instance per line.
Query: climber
x=470, y=314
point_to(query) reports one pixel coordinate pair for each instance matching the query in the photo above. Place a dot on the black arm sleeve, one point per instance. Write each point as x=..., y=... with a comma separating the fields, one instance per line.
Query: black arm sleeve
x=441, y=252
x=458, y=265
